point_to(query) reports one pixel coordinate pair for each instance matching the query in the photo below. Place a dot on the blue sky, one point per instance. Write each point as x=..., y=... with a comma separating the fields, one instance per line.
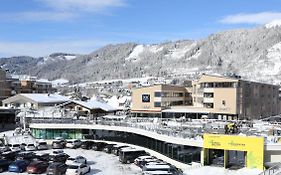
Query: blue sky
x=41, y=27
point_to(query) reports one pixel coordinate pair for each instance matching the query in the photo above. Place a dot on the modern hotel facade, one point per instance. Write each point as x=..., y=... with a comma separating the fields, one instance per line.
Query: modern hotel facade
x=211, y=96
x=150, y=101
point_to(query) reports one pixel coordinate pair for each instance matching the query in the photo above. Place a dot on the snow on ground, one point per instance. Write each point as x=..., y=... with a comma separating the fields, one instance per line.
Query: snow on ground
x=180, y=52
x=207, y=170
x=155, y=48
x=274, y=57
x=135, y=54
x=70, y=57
x=59, y=82
x=275, y=23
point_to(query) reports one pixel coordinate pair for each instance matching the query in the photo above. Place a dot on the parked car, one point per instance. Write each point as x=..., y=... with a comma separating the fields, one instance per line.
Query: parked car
x=98, y=146
x=76, y=143
x=59, y=151
x=59, y=157
x=18, y=166
x=26, y=155
x=30, y=147
x=157, y=172
x=77, y=168
x=4, y=165
x=15, y=147
x=142, y=160
x=56, y=168
x=128, y=155
x=87, y=144
x=58, y=144
x=42, y=156
x=37, y=167
x=117, y=148
x=42, y=145
x=108, y=148
x=10, y=155
x=78, y=159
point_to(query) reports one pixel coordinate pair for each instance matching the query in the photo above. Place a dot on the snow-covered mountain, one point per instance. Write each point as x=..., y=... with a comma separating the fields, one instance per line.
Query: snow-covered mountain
x=252, y=53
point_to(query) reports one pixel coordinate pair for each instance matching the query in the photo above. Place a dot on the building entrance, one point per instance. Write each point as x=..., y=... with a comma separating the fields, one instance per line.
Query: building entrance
x=217, y=157
x=236, y=159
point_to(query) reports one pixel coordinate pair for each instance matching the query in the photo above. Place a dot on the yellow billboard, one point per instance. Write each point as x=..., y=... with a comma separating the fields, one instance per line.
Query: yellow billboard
x=253, y=146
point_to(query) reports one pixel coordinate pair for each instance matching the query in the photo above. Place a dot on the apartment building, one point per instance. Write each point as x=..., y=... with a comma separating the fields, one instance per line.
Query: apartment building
x=216, y=97
x=150, y=101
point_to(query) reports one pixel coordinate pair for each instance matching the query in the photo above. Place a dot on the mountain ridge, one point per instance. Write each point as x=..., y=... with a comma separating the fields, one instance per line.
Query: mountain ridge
x=252, y=53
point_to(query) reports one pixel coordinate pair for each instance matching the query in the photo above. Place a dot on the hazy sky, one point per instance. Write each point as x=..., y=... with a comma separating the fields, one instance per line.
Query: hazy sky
x=41, y=27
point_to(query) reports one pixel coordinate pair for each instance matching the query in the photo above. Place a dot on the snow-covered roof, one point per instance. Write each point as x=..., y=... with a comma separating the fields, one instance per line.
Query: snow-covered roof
x=94, y=104
x=46, y=98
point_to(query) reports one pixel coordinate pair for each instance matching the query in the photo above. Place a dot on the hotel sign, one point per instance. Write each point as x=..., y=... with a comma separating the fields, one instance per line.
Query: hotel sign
x=253, y=146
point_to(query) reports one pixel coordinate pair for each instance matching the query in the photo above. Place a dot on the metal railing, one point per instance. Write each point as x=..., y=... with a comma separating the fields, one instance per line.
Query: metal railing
x=195, y=133
x=274, y=170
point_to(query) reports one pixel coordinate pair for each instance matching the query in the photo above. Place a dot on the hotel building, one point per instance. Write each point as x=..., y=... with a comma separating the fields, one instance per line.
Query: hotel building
x=210, y=96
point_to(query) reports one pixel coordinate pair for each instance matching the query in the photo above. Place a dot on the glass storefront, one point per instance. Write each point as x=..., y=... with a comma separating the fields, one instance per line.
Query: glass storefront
x=53, y=133
x=181, y=153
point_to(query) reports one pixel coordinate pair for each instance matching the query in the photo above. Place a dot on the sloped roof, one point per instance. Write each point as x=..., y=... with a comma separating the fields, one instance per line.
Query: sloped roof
x=45, y=98
x=94, y=104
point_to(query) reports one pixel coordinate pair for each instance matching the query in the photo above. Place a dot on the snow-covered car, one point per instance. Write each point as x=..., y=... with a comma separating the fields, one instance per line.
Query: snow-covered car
x=42, y=145
x=15, y=147
x=140, y=161
x=30, y=147
x=77, y=169
x=76, y=143
x=148, y=169
x=158, y=172
x=78, y=159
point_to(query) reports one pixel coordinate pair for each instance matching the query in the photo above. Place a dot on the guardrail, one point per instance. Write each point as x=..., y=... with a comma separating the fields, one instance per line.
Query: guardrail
x=174, y=132
x=272, y=170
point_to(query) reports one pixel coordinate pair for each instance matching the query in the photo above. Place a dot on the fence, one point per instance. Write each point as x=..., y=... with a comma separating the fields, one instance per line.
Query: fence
x=274, y=170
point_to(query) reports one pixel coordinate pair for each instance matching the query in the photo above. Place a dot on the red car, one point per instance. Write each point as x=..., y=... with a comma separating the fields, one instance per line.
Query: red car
x=37, y=167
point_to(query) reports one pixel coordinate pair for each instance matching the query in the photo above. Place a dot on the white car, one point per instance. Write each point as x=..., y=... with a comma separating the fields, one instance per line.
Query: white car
x=145, y=159
x=77, y=169
x=76, y=143
x=42, y=145
x=78, y=159
x=30, y=147
x=158, y=173
x=15, y=147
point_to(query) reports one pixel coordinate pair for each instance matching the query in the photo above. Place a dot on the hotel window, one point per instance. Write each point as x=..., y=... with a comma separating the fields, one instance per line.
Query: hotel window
x=208, y=105
x=157, y=94
x=157, y=104
x=209, y=95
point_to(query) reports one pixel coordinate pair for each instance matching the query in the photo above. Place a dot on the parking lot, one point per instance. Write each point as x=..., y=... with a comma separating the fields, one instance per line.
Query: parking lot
x=100, y=162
